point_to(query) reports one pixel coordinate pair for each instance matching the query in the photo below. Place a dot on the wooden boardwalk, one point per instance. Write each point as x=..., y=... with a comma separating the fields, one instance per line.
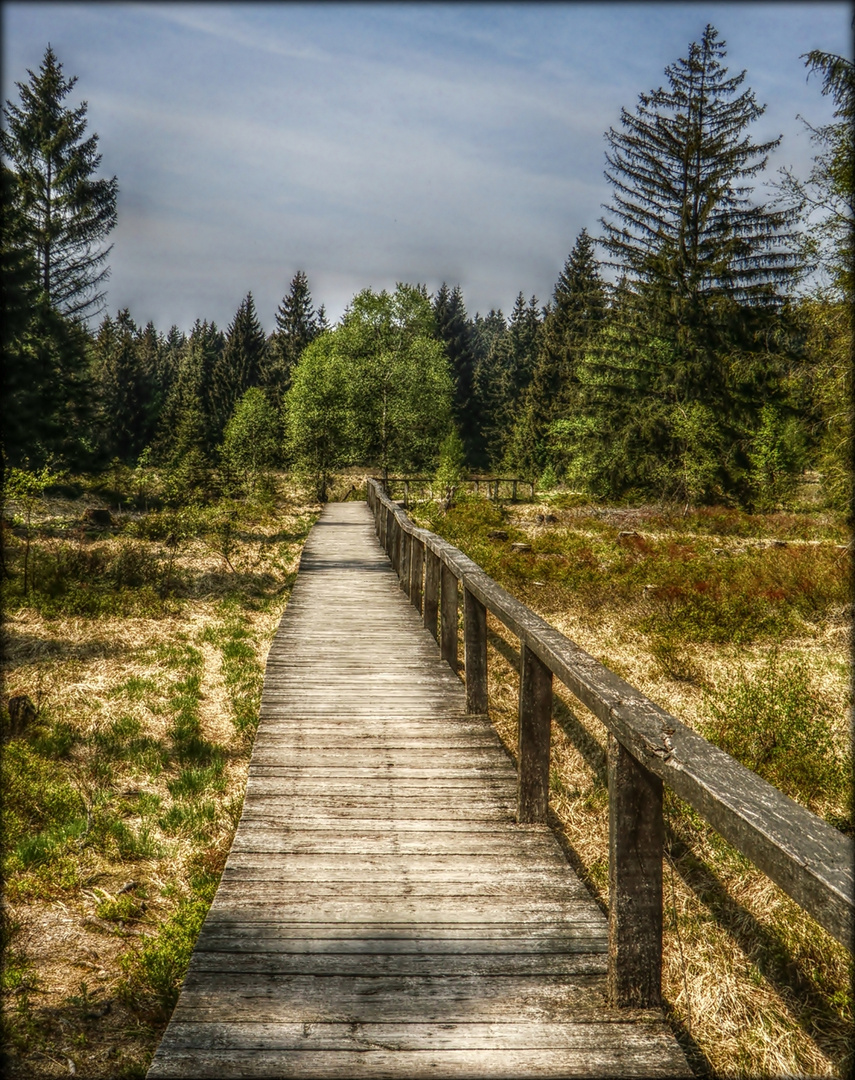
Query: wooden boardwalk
x=381, y=914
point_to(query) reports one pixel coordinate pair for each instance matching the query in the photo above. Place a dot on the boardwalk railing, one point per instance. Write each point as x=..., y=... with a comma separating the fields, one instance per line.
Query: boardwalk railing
x=489, y=486
x=647, y=747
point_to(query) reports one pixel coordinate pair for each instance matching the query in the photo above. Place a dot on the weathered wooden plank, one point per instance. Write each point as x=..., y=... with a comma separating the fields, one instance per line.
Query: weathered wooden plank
x=391, y=999
x=411, y=1036
x=479, y=1064
x=475, y=965
x=310, y=938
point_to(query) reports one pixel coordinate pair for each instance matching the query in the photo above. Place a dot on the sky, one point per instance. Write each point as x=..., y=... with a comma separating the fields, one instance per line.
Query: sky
x=372, y=143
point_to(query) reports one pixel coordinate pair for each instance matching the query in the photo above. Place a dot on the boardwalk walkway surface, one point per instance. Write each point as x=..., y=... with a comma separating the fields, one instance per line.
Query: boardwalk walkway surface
x=381, y=914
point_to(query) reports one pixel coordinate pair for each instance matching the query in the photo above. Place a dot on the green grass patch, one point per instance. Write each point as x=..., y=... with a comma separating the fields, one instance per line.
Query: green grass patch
x=777, y=723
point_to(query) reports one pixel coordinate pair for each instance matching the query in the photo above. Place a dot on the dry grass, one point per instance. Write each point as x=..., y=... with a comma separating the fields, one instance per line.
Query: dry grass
x=117, y=688
x=753, y=987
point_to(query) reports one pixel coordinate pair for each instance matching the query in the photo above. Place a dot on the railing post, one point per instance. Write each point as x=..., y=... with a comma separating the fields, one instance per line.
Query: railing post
x=513, y=491
x=396, y=544
x=475, y=652
x=636, y=834
x=430, y=612
x=404, y=569
x=387, y=530
x=417, y=568
x=534, y=737
x=448, y=617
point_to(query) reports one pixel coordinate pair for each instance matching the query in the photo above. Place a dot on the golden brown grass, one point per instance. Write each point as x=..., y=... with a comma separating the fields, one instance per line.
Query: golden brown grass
x=75, y=920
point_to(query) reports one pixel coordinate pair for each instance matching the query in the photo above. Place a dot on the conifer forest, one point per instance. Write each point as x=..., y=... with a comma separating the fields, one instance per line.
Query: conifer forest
x=681, y=405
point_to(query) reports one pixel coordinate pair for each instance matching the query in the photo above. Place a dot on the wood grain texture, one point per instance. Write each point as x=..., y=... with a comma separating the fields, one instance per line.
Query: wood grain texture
x=381, y=913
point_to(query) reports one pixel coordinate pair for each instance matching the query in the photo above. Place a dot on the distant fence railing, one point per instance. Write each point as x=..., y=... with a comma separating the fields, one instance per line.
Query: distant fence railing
x=497, y=488
x=647, y=746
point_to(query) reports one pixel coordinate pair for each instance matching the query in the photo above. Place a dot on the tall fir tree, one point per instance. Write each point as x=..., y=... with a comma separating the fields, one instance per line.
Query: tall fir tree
x=454, y=331
x=522, y=344
x=239, y=366
x=123, y=389
x=572, y=322
x=706, y=272
x=67, y=212
x=297, y=325
x=188, y=425
x=490, y=385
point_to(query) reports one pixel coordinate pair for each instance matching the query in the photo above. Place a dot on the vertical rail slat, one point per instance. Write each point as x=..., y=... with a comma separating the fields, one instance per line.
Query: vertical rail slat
x=534, y=734
x=417, y=569
x=475, y=652
x=430, y=612
x=636, y=835
x=448, y=617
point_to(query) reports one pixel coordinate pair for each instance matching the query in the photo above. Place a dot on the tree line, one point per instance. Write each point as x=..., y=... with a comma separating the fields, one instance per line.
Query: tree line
x=698, y=349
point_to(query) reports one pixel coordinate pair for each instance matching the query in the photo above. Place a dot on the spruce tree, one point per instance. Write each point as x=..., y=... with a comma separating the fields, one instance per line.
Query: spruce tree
x=683, y=219
x=296, y=326
x=705, y=273
x=122, y=389
x=187, y=424
x=521, y=454
x=454, y=331
x=67, y=213
x=573, y=320
x=239, y=366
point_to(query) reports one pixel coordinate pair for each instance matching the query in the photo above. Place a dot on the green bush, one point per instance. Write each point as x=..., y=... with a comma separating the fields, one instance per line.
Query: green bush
x=775, y=722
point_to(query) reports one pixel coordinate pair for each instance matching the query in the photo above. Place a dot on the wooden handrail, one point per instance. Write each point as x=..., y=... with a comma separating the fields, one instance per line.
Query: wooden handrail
x=648, y=747
x=492, y=483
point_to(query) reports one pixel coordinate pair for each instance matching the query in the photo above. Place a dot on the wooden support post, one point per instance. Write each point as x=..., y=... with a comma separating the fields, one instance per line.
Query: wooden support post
x=534, y=737
x=636, y=834
x=475, y=652
x=404, y=569
x=448, y=617
x=417, y=569
x=477, y=486
x=430, y=612
x=396, y=545
x=387, y=531
x=513, y=491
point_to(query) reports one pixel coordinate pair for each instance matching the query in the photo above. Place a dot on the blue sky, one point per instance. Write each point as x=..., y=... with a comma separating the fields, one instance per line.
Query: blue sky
x=373, y=143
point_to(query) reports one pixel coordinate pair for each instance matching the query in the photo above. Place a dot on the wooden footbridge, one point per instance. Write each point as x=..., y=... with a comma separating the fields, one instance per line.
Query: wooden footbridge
x=394, y=904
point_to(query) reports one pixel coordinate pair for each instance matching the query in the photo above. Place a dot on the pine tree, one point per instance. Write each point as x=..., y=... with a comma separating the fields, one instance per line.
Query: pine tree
x=67, y=213
x=239, y=366
x=122, y=389
x=453, y=330
x=187, y=425
x=573, y=320
x=490, y=385
x=521, y=453
x=681, y=168
x=296, y=326
x=705, y=273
